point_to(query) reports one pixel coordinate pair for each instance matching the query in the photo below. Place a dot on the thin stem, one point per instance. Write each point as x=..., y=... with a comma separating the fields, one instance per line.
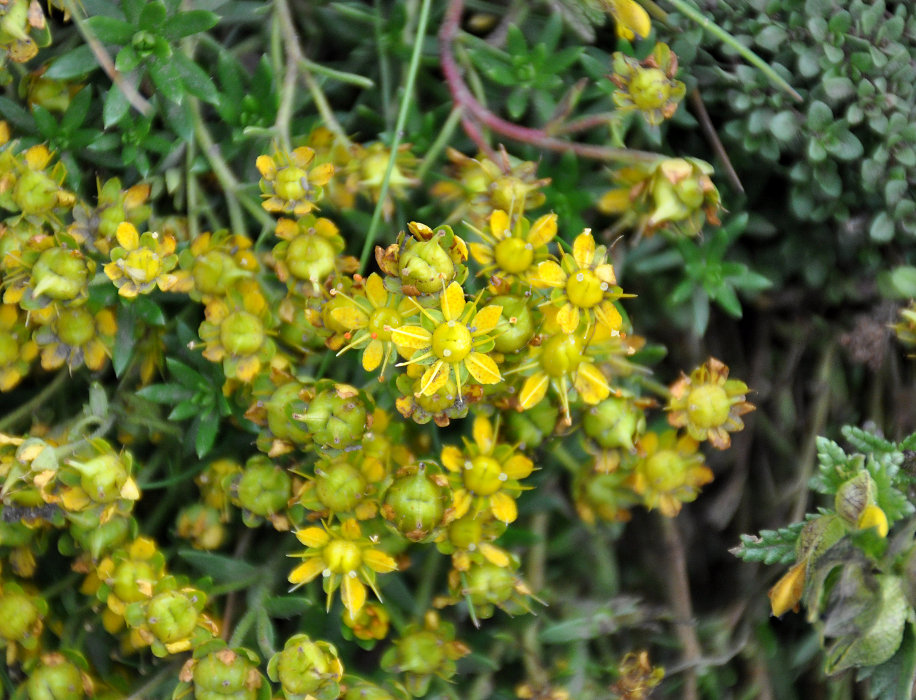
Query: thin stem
x=437, y=146
x=406, y=99
x=679, y=597
x=339, y=75
x=537, y=137
x=28, y=408
x=710, y=131
x=137, y=101
x=706, y=23
x=168, y=673
x=428, y=577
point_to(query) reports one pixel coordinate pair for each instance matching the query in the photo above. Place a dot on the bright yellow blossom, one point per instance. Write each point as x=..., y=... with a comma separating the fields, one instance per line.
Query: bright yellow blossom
x=142, y=262
x=345, y=558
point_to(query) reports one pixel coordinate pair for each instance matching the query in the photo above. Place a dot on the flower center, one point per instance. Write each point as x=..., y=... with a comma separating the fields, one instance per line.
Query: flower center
x=665, y=471
x=708, y=406
x=142, y=266
x=310, y=257
x=452, y=341
x=75, y=327
x=513, y=255
x=484, y=476
x=291, y=183
x=381, y=317
x=561, y=354
x=342, y=556
x=650, y=89
x=241, y=333
x=584, y=289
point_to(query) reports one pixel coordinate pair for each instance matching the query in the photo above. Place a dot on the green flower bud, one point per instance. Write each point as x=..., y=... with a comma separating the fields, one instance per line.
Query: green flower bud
x=126, y=575
x=56, y=679
x=35, y=192
x=614, y=423
x=311, y=257
x=101, y=538
x=242, y=333
x=19, y=614
x=60, y=273
x=172, y=615
x=516, y=324
x=202, y=525
x=281, y=406
x=225, y=674
x=264, y=488
x=853, y=496
x=102, y=477
x=425, y=265
x=335, y=420
x=339, y=485
x=415, y=503
x=307, y=668
x=488, y=584
x=533, y=426
x=76, y=326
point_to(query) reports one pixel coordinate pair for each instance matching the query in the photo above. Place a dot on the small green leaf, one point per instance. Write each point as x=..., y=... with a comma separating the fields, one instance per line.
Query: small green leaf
x=183, y=373
x=167, y=80
x=184, y=410
x=266, y=635
x=73, y=64
x=16, y=115
x=207, y=430
x=127, y=59
x=220, y=567
x=149, y=312
x=771, y=547
x=195, y=79
x=820, y=116
x=115, y=108
x=152, y=16
x=187, y=23
x=109, y=30
x=98, y=400
x=882, y=228
x=45, y=121
x=78, y=110
x=899, y=283
x=165, y=393
x=286, y=607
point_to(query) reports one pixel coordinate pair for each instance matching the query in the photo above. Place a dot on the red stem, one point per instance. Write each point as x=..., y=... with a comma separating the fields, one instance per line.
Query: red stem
x=473, y=109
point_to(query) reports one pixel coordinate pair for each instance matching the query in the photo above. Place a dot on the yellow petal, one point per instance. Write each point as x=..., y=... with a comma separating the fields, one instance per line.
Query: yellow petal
x=129, y=490
x=481, y=253
x=584, y=248
x=414, y=337
x=549, y=274
x=349, y=317
x=353, y=594
x=483, y=434
x=372, y=356
x=313, y=537
x=377, y=560
x=787, y=592
x=494, y=554
x=615, y=201
x=533, y=390
x=246, y=369
x=486, y=319
x=568, y=318
x=127, y=236
x=452, y=301
x=266, y=166
x=543, y=230
x=631, y=19
x=306, y=571
x=503, y=507
x=452, y=458
x=461, y=502
x=434, y=378
x=518, y=467
x=499, y=224
x=605, y=273
x=322, y=174
x=609, y=316
x=375, y=290
x=591, y=384
x=482, y=368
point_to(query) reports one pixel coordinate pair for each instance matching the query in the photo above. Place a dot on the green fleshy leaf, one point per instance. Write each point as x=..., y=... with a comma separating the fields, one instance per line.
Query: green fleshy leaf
x=73, y=64
x=771, y=546
x=187, y=23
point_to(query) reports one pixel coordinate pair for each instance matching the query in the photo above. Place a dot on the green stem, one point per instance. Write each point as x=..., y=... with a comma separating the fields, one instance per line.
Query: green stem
x=437, y=146
x=168, y=673
x=406, y=99
x=706, y=23
x=28, y=408
x=428, y=576
x=339, y=75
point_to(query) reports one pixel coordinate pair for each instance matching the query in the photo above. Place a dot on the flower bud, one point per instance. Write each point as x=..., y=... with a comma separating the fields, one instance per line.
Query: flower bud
x=307, y=668
x=56, y=678
x=226, y=674
x=415, y=503
x=264, y=488
x=516, y=324
x=853, y=497
x=614, y=423
x=60, y=273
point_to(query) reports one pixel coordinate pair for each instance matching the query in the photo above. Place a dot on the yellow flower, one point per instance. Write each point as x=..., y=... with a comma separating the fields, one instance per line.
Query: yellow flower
x=513, y=250
x=309, y=252
x=236, y=331
x=583, y=284
x=485, y=475
x=370, y=320
x=345, y=558
x=456, y=345
x=216, y=261
x=78, y=337
x=287, y=183
x=630, y=18
x=141, y=263
x=670, y=471
x=709, y=404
